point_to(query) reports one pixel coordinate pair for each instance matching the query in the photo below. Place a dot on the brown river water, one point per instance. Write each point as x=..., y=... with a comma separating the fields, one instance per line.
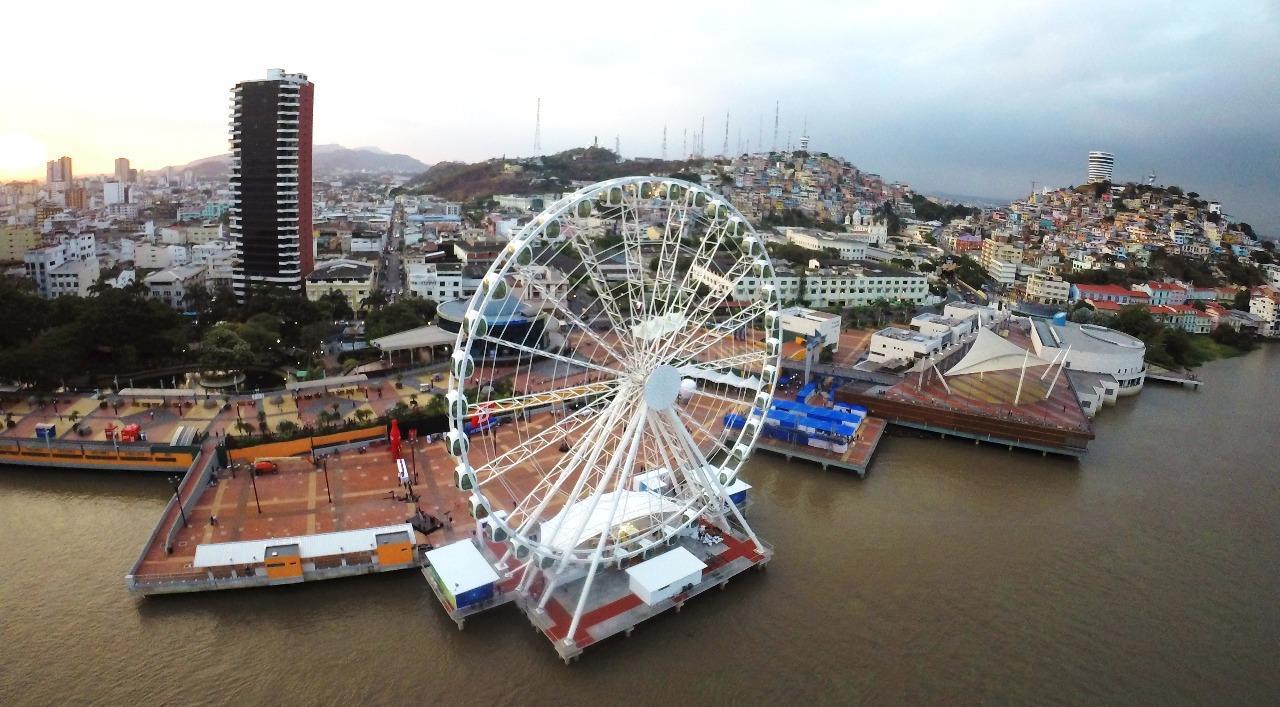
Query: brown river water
x=1148, y=572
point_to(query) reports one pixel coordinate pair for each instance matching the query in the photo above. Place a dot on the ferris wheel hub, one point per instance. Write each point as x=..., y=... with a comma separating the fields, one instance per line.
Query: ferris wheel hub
x=661, y=387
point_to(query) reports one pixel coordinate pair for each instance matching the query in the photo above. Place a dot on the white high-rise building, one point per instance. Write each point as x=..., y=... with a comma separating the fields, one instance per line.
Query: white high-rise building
x=1100, y=166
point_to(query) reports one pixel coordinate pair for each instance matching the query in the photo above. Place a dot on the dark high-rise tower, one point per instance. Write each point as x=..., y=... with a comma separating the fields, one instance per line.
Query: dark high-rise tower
x=271, y=182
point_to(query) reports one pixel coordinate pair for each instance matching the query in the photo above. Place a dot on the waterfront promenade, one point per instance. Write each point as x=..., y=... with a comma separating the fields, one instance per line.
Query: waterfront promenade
x=212, y=414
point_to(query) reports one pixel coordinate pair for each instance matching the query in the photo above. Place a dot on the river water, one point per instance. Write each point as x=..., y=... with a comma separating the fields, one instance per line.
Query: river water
x=1148, y=572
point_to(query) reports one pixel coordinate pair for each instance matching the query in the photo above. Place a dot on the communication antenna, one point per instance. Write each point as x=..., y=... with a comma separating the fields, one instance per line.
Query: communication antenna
x=724, y=152
x=777, y=111
x=537, y=129
x=702, y=136
x=684, y=144
x=664, y=143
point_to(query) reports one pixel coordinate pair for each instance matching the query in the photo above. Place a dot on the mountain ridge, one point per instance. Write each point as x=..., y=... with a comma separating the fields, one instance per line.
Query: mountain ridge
x=324, y=158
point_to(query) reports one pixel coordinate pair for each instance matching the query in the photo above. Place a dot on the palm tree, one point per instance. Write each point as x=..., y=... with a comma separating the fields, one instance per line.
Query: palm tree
x=287, y=428
x=243, y=427
x=363, y=414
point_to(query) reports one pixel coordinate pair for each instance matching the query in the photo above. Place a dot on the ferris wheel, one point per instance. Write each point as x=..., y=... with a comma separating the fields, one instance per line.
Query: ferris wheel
x=611, y=376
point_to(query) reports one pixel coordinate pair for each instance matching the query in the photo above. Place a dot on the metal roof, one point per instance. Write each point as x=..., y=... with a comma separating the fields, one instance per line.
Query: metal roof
x=247, y=552
x=335, y=382
x=661, y=571
x=461, y=567
x=423, y=336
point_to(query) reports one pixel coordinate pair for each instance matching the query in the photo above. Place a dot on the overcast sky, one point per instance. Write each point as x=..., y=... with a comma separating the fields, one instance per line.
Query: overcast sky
x=961, y=97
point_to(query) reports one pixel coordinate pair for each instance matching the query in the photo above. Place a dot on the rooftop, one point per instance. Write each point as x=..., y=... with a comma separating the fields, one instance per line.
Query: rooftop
x=341, y=270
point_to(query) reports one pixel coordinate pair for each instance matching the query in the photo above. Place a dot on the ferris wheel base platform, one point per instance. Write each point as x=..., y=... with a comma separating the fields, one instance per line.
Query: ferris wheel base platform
x=612, y=608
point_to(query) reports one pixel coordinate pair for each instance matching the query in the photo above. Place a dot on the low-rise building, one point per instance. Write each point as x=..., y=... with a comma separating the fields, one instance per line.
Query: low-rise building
x=1048, y=289
x=68, y=268
x=1093, y=349
x=845, y=248
x=442, y=282
x=1161, y=293
x=951, y=330
x=15, y=241
x=172, y=285
x=355, y=280
x=892, y=345
x=800, y=322
x=1264, y=303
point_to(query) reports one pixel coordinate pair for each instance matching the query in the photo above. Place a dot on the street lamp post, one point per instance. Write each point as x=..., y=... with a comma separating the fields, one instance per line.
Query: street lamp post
x=413, y=452
x=176, y=481
x=253, y=481
x=325, y=465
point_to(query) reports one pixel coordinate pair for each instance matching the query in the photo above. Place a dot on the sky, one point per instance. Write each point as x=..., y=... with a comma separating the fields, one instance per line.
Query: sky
x=979, y=97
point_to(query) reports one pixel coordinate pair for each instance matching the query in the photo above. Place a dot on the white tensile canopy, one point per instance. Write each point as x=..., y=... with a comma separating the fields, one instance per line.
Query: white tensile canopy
x=992, y=352
x=722, y=377
x=631, y=505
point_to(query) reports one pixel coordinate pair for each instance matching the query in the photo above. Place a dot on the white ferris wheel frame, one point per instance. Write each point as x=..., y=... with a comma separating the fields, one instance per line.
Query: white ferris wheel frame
x=628, y=411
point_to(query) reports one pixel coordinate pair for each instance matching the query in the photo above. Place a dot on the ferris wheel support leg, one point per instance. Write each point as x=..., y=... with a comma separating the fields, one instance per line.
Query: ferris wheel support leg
x=634, y=431
x=711, y=484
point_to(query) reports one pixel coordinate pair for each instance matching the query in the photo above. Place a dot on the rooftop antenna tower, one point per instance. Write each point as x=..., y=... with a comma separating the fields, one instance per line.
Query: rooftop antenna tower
x=684, y=144
x=537, y=129
x=702, y=135
x=664, y=143
x=777, y=111
x=724, y=152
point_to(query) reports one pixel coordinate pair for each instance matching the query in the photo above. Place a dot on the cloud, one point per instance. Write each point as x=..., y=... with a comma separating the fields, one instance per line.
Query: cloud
x=976, y=97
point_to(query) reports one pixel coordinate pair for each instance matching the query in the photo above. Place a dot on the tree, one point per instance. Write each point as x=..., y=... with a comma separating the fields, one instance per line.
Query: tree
x=1241, y=301
x=400, y=316
x=362, y=415
x=287, y=428
x=222, y=349
x=335, y=306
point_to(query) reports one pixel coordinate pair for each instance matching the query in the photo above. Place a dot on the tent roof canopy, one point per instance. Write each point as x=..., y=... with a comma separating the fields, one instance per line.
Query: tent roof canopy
x=422, y=337
x=992, y=352
x=613, y=509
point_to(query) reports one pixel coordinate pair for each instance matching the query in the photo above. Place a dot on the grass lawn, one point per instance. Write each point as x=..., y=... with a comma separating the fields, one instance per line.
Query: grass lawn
x=1207, y=349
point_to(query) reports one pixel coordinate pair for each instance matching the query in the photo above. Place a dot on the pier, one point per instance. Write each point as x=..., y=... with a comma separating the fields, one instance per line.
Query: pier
x=857, y=458
x=1186, y=379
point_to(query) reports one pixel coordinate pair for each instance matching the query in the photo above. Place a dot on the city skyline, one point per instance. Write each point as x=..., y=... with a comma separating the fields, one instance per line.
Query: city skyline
x=978, y=100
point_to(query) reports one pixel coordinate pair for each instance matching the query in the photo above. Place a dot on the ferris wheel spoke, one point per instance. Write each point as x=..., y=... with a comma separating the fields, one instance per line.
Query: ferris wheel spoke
x=598, y=450
x=702, y=309
x=743, y=361
x=578, y=463
x=528, y=449
x=668, y=256
x=543, y=353
x=697, y=342
x=563, y=307
x=502, y=406
x=600, y=284
x=632, y=254
x=716, y=439
x=703, y=258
